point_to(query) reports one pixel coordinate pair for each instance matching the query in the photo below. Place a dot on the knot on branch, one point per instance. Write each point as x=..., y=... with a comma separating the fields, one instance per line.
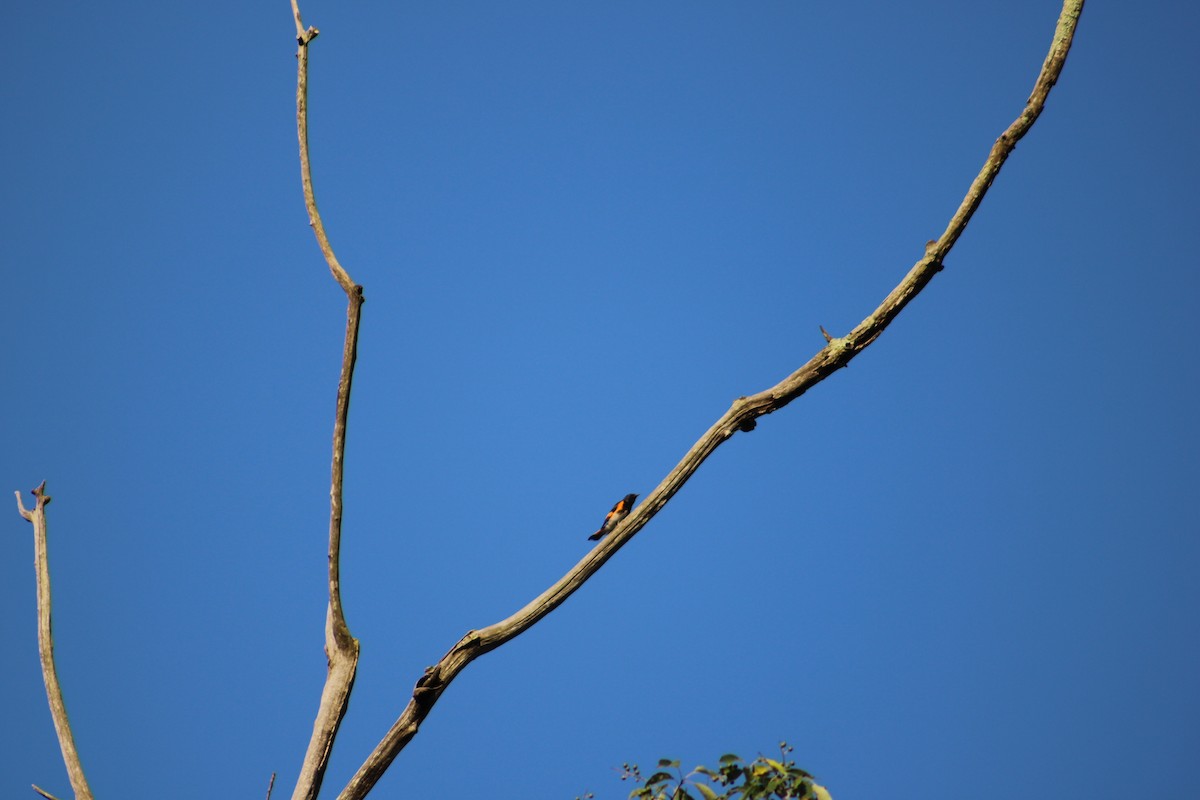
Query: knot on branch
x=932, y=256
x=306, y=37
x=836, y=344
x=428, y=687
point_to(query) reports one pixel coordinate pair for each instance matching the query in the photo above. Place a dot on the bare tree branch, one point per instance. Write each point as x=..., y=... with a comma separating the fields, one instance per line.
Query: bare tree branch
x=301, y=38
x=341, y=649
x=58, y=708
x=742, y=416
x=43, y=792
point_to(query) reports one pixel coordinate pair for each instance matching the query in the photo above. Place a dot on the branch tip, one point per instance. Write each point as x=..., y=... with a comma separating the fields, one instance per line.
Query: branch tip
x=39, y=494
x=24, y=512
x=43, y=792
x=825, y=333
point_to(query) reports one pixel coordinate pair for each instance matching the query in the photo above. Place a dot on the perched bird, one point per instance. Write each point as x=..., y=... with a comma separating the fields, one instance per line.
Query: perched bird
x=619, y=512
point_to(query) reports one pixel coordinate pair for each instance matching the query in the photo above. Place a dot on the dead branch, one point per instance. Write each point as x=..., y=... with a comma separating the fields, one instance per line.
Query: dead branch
x=58, y=708
x=341, y=649
x=741, y=416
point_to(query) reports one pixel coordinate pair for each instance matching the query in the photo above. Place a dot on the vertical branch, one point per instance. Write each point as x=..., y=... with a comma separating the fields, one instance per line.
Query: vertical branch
x=341, y=649
x=58, y=708
x=303, y=37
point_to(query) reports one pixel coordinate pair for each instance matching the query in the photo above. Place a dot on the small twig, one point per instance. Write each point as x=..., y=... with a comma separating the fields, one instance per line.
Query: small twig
x=270, y=786
x=836, y=354
x=300, y=38
x=341, y=649
x=43, y=792
x=58, y=708
x=825, y=333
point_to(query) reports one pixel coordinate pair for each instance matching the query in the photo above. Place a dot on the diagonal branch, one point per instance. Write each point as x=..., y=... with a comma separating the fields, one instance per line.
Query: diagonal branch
x=58, y=708
x=742, y=416
x=341, y=649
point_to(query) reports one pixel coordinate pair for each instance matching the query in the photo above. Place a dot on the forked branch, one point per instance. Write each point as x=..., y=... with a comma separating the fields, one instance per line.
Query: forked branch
x=58, y=708
x=341, y=649
x=742, y=416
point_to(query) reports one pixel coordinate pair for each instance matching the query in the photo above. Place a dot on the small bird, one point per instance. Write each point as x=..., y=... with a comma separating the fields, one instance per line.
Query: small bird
x=619, y=512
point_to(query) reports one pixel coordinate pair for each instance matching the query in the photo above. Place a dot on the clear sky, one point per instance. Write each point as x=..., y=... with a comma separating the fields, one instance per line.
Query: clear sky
x=963, y=568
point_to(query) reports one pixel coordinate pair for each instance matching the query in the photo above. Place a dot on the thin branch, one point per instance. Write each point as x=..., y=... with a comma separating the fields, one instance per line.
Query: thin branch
x=837, y=353
x=304, y=38
x=270, y=786
x=300, y=35
x=43, y=792
x=58, y=708
x=341, y=649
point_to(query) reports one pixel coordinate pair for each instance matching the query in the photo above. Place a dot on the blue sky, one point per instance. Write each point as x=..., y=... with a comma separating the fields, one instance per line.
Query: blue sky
x=962, y=567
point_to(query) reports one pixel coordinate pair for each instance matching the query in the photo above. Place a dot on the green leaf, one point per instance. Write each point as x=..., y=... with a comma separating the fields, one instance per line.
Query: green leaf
x=666, y=762
x=730, y=758
x=707, y=791
x=821, y=792
x=659, y=777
